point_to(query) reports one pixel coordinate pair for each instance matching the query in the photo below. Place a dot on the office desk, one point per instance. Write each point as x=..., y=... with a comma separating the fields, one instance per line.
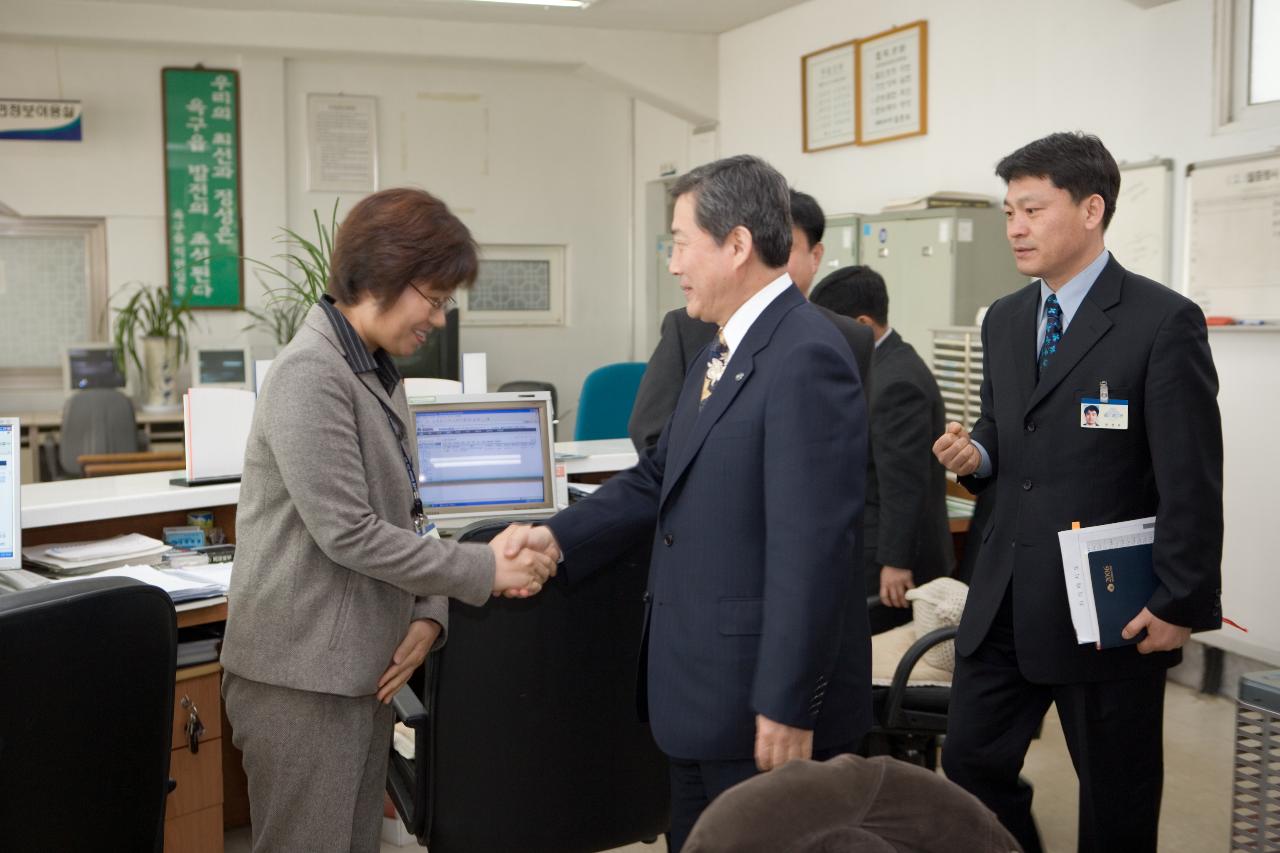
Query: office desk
x=159, y=426
x=595, y=457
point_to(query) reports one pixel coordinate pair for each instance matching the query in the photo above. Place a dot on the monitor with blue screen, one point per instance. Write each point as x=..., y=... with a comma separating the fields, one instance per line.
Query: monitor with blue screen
x=485, y=455
x=10, y=494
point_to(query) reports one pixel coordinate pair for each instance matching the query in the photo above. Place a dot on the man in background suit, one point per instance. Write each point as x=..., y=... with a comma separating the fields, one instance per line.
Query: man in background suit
x=683, y=337
x=1086, y=322
x=907, y=535
x=756, y=646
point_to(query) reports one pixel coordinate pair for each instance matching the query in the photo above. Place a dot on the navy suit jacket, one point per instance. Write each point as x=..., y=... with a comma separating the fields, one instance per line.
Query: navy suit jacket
x=1150, y=346
x=755, y=603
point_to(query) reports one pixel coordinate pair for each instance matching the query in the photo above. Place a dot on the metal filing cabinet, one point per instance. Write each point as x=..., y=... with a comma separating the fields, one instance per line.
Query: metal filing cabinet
x=840, y=242
x=940, y=266
x=1255, y=797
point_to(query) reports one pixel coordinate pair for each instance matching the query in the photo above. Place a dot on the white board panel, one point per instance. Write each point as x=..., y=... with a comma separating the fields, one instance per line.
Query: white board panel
x=1139, y=233
x=1233, y=236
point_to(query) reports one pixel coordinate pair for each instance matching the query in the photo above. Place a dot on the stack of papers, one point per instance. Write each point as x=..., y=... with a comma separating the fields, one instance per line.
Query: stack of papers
x=182, y=585
x=75, y=558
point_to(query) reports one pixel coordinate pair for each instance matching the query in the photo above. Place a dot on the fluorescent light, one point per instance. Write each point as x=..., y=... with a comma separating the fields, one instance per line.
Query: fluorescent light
x=571, y=4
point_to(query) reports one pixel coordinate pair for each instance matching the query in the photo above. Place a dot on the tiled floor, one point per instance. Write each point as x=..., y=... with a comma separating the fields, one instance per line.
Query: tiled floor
x=1197, y=789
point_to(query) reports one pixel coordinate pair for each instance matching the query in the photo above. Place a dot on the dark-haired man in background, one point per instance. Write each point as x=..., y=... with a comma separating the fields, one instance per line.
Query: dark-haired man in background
x=1085, y=326
x=907, y=539
x=684, y=337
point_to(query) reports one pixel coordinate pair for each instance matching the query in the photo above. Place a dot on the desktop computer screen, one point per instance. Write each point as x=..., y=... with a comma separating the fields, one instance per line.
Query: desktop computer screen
x=91, y=366
x=10, y=495
x=221, y=366
x=485, y=455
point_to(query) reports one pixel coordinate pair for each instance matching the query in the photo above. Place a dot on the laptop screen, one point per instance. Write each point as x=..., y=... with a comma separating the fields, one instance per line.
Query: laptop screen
x=481, y=456
x=10, y=495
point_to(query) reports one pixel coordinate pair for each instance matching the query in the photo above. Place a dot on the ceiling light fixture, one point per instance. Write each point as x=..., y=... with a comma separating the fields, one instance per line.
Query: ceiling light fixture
x=570, y=4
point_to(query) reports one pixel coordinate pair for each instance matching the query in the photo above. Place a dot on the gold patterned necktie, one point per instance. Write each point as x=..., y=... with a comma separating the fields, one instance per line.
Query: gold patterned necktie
x=719, y=358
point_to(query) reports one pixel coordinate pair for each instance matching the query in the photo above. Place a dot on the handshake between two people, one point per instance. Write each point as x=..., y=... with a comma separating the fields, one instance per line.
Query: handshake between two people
x=526, y=557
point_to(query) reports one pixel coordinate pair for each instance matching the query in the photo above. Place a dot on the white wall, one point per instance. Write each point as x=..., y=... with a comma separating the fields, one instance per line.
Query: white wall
x=522, y=156
x=1001, y=73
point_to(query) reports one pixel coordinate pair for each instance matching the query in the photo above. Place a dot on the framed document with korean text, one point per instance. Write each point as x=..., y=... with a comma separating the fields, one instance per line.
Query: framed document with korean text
x=828, y=96
x=891, y=74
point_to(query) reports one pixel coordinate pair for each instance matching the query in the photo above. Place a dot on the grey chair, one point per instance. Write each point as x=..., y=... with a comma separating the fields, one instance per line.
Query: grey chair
x=95, y=420
x=87, y=675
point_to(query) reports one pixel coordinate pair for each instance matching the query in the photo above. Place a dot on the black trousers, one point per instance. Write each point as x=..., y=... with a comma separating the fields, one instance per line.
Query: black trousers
x=694, y=784
x=1113, y=729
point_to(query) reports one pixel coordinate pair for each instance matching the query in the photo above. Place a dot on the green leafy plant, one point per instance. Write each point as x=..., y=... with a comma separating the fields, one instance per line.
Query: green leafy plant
x=296, y=281
x=150, y=312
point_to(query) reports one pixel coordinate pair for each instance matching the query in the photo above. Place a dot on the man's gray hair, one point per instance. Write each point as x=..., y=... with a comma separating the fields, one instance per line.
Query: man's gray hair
x=746, y=191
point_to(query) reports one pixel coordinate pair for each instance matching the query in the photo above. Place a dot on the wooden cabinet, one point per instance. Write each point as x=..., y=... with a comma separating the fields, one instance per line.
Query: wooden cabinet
x=193, y=814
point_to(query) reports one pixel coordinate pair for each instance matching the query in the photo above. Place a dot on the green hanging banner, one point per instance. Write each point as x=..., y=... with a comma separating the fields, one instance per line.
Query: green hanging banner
x=202, y=186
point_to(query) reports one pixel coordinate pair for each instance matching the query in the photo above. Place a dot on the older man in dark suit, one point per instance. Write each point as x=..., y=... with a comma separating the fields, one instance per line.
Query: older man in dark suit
x=1086, y=328
x=683, y=336
x=757, y=649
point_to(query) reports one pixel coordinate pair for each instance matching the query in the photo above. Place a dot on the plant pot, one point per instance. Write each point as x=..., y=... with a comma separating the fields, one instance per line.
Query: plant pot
x=160, y=371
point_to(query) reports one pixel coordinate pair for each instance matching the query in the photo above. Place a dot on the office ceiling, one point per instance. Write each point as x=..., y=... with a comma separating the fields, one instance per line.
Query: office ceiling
x=684, y=16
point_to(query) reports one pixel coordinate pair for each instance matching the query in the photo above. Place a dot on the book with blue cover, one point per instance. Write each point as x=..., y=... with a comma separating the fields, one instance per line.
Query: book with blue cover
x=1123, y=582
x=1109, y=577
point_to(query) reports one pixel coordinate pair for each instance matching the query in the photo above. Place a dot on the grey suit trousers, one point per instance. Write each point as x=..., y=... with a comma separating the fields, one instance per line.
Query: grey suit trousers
x=317, y=766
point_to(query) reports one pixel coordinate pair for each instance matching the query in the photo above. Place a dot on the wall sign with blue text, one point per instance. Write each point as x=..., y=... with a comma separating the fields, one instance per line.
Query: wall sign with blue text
x=202, y=186
x=21, y=118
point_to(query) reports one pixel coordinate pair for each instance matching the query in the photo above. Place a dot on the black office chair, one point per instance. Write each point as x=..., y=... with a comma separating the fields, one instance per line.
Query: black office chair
x=528, y=737
x=95, y=420
x=86, y=672
x=910, y=719
x=535, y=385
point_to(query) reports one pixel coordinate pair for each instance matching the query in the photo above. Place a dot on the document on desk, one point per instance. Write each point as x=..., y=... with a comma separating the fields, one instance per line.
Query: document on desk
x=1109, y=577
x=217, y=422
x=72, y=558
x=177, y=583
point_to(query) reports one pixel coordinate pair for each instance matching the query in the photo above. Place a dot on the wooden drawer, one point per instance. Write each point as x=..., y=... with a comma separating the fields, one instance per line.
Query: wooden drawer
x=202, y=683
x=198, y=832
x=199, y=779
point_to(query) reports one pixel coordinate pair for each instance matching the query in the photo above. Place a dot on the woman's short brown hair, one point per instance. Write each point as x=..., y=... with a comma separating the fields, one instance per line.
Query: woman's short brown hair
x=396, y=237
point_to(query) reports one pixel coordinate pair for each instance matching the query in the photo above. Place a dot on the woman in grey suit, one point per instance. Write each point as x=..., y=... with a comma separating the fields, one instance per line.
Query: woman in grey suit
x=338, y=594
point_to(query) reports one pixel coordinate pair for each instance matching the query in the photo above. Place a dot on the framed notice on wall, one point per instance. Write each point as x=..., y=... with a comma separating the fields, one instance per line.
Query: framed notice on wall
x=892, y=84
x=202, y=186
x=342, y=144
x=828, y=97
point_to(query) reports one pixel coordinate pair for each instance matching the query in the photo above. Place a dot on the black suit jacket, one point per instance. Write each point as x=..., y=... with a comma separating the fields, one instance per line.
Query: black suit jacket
x=906, y=520
x=1150, y=345
x=754, y=504
x=682, y=340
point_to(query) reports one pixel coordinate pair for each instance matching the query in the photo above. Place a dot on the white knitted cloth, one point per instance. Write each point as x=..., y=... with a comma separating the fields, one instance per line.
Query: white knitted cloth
x=938, y=604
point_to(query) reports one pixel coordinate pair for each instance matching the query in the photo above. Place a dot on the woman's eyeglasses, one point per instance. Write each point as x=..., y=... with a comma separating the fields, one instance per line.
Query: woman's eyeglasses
x=440, y=303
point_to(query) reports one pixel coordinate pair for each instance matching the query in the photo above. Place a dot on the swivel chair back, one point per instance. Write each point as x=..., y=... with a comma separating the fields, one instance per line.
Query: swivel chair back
x=87, y=676
x=604, y=406
x=95, y=420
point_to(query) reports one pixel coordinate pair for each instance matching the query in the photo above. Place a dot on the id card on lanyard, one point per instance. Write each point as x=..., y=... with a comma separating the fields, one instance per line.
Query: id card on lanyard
x=421, y=525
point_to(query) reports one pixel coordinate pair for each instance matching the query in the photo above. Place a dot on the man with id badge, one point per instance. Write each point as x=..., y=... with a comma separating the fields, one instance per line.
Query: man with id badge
x=1099, y=405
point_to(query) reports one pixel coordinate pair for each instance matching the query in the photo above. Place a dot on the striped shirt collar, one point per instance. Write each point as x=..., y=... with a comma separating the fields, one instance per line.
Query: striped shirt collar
x=355, y=353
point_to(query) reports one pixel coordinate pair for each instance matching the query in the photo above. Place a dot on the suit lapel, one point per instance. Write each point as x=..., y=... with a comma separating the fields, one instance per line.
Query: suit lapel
x=1087, y=327
x=1023, y=340
x=693, y=426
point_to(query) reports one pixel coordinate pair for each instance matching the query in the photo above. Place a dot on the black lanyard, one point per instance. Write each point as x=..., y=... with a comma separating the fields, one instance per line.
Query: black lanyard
x=419, y=517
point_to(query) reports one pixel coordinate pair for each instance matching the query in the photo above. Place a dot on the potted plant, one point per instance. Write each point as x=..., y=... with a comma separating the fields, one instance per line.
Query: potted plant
x=150, y=314
x=299, y=281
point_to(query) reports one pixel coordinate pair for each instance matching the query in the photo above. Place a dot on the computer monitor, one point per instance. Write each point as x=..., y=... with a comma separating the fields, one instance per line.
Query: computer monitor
x=485, y=455
x=91, y=366
x=438, y=357
x=10, y=494
x=222, y=367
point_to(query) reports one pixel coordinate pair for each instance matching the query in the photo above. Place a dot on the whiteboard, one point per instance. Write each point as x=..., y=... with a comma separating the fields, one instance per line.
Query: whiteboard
x=1233, y=236
x=1139, y=233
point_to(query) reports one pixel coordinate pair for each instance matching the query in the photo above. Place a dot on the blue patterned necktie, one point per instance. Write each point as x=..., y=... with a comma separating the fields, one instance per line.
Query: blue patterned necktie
x=1052, y=332
x=716, y=362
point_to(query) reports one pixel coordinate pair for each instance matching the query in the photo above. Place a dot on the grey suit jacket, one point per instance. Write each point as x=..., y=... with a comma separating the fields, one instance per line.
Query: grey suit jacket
x=328, y=571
